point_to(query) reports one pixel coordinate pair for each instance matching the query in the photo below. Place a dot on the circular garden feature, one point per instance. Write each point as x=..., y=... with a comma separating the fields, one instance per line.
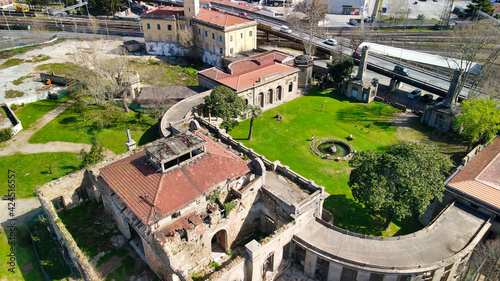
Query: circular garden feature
x=332, y=149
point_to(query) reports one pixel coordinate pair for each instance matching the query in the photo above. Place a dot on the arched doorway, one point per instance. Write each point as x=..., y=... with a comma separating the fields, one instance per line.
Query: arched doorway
x=261, y=99
x=278, y=93
x=270, y=96
x=219, y=242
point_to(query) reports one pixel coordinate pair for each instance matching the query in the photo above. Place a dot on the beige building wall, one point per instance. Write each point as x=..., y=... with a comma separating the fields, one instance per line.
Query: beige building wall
x=226, y=43
x=161, y=30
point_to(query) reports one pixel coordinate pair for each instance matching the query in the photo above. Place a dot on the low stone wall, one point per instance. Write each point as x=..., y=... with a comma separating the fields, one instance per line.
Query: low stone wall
x=27, y=99
x=16, y=123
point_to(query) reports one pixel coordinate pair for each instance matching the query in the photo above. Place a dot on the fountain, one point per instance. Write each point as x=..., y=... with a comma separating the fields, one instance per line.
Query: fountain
x=332, y=149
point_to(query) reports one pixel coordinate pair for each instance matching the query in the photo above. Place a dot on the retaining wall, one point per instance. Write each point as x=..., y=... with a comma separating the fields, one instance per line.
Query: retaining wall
x=16, y=123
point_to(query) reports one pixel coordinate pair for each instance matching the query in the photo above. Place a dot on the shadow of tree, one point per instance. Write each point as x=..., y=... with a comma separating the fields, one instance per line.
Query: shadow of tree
x=150, y=135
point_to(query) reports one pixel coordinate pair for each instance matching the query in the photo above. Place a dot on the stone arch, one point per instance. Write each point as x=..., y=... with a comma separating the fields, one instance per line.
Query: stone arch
x=219, y=242
x=261, y=99
x=269, y=97
x=279, y=93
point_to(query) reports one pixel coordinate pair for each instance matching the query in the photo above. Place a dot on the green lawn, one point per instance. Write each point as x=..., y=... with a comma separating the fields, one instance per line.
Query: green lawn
x=70, y=127
x=326, y=114
x=29, y=113
x=24, y=256
x=160, y=74
x=32, y=170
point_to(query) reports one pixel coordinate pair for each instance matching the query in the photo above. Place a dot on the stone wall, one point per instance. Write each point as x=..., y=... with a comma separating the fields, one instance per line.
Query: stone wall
x=16, y=123
x=170, y=49
x=27, y=99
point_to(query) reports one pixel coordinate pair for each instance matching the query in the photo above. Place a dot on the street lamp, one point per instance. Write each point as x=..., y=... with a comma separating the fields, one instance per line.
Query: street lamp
x=407, y=13
x=5, y=19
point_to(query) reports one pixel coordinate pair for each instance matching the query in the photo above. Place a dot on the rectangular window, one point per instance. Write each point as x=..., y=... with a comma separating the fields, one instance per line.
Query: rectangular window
x=376, y=277
x=206, y=33
x=148, y=26
x=348, y=274
x=213, y=35
x=231, y=38
x=176, y=214
x=221, y=51
x=250, y=33
x=241, y=35
x=169, y=27
x=158, y=26
x=199, y=31
x=231, y=51
x=321, y=272
x=220, y=38
x=58, y=203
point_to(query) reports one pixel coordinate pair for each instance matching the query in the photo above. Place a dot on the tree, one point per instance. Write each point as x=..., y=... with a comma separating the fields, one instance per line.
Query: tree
x=357, y=35
x=308, y=26
x=480, y=5
x=105, y=76
x=340, y=68
x=484, y=262
x=479, y=120
x=254, y=111
x=226, y=104
x=95, y=155
x=80, y=107
x=470, y=41
x=187, y=39
x=400, y=182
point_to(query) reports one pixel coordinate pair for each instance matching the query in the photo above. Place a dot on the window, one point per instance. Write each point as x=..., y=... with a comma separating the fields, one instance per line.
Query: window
x=404, y=278
x=176, y=214
x=158, y=26
x=199, y=31
x=221, y=51
x=250, y=33
x=231, y=51
x=220, y=38
x=241, y=35
x=348, y=274
x=169, y=27
x=321, y=272
x=290, y=87
x=148, y=26
x=58, y=203
x=231, y=38
x=206, y=33
x=376, y=277
x=213, y=35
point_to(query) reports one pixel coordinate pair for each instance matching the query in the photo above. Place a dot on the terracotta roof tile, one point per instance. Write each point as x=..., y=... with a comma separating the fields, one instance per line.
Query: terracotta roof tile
x=165, y=11
x=152, y=195
x=480, y=178
x=219, y=18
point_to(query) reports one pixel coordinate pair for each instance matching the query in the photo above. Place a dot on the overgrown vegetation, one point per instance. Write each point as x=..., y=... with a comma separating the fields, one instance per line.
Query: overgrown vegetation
x=229, y=206
x=9, y=94
x=161, y=74
x=68, y=70
x=20, y=80
x=5, y=134
x=95, y=155
x=10, y=63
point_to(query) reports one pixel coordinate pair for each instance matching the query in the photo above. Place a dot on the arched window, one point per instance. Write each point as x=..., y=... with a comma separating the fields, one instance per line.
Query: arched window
x=278, y=93
x=261, y=99
x=270, y=96
x=290, y=87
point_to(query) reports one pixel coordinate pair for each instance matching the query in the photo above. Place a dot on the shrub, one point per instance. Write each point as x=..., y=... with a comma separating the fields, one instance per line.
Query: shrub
x=5, y=134
x=229, y=206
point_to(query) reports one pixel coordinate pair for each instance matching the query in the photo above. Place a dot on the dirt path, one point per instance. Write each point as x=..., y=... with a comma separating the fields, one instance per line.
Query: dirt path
x=402, y=121
x=19, y=143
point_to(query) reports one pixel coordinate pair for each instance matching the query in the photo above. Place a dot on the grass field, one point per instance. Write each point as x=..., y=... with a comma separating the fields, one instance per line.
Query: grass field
x=71, y=127
x=32, y=170
x=24, y=256
x=29, y=113
x=326, y=114
x=161, y=74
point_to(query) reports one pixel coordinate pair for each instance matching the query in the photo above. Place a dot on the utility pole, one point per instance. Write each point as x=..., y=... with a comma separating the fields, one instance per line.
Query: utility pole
x=8, y=28
x=407, y=13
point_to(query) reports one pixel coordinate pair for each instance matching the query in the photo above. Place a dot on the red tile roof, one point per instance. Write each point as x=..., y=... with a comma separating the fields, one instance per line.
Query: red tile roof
x=480, y=178
x=165, y=11
x=219, y=18
x=152, y=195
x=249, y=71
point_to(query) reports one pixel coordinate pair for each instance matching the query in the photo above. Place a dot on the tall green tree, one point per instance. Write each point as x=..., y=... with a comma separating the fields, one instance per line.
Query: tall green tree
x=94, y=156
x=479, y=120
x=254, y=111
x=480, y=5
x=339, y=69
x=400, y=182
x=226, y=104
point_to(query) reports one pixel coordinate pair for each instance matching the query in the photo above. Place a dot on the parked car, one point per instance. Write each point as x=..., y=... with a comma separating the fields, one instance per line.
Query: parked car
x=285, y=29
x=426, y=98
x=244, y=14
x=414, y=94
x=356, y=55
x=330, y=42
x=353, y=22
x=438, y=100
x=399, y=69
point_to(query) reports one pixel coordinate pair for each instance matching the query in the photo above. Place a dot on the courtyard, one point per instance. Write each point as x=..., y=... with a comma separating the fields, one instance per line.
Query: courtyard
x=328, y=114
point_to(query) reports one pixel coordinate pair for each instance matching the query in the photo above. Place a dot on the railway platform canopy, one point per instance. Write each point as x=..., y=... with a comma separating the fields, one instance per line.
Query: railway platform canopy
x=418, y=57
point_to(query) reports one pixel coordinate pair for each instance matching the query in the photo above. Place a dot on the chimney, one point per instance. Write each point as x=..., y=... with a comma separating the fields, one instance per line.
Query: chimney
x=452, y=94
x=130, y=142
x=362, y=63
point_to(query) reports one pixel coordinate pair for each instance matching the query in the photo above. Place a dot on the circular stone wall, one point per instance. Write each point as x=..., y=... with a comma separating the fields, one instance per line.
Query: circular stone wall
x=316, y=143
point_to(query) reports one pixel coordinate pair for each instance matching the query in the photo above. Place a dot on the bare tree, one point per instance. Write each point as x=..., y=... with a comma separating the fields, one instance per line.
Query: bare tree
x=484, y=262
x=308, y=26
x=399, y=8
x=472, y=40
x=106, y=76
x=187, y=39
x=357, y=35
x=93, y=24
